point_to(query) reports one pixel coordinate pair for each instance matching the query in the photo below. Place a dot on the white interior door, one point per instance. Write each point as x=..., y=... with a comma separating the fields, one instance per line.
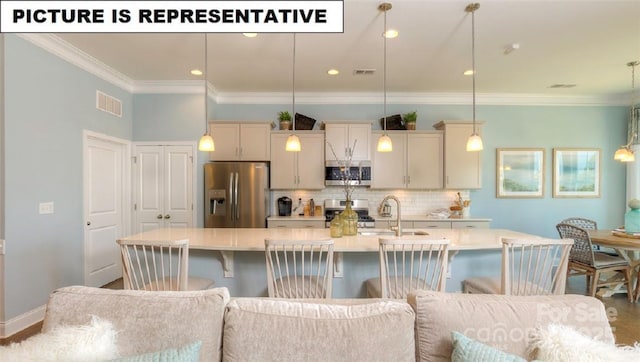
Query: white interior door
x=163, y=186
x=178, y=201
x=149, y=180
x=105, y=180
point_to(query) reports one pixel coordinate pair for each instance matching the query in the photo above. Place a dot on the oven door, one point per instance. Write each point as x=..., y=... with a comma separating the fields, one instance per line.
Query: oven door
x=357, y=175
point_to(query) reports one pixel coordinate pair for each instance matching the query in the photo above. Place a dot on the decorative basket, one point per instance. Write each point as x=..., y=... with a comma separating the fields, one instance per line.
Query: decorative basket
x=394, y=122
x=303, y=122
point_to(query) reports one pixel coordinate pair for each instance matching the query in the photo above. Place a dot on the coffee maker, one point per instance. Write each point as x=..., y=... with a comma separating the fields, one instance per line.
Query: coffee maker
x=284, y=206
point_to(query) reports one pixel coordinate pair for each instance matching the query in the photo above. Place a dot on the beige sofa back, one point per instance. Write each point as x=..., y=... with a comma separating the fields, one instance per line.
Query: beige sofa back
x=341, y=330
x=503, y=322
x=146, y=321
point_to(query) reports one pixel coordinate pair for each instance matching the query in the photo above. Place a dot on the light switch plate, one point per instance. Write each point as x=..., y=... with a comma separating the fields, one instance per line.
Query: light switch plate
x=46, y=207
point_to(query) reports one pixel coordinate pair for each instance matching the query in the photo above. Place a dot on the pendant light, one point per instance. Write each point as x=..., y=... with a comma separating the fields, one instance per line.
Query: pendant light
x=474, y=143
x=624, y=153
x=293, y=142
x=206, y=141
x=384, y=142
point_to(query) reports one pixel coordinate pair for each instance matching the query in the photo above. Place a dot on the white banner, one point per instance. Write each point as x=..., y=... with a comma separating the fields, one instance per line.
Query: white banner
x=171, y=16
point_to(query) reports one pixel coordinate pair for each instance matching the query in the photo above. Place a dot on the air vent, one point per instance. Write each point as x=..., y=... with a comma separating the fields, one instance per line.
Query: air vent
x=109, y=104
x=562, y=86
x=364, y=71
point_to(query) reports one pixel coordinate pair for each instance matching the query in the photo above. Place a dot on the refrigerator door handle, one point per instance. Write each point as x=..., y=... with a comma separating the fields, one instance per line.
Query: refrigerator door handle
x=232, y=203
x=236, y=198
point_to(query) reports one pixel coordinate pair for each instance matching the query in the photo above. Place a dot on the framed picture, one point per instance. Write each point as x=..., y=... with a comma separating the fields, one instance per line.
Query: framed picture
x=520, y=172
x=576, y=172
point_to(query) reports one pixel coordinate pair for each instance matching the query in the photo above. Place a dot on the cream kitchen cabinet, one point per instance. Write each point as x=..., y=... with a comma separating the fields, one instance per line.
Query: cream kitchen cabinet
x=462, y=169
x=342, y=136
x=297, y=170
x=240, y=141
x=414, y=163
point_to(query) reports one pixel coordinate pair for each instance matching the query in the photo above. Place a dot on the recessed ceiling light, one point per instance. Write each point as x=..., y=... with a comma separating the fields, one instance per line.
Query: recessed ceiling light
x=390, y=34
x=250, y=35
x=468, y=72
x=196, y=72
x=333, y=72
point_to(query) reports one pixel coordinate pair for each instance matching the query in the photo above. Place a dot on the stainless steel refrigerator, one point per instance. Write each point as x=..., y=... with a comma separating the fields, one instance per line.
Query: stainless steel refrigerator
x=236, y=194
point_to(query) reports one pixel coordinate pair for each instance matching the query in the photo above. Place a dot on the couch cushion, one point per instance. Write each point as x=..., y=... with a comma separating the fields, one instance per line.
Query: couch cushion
x=297, y=330
x=503, y=322
x=145, y=321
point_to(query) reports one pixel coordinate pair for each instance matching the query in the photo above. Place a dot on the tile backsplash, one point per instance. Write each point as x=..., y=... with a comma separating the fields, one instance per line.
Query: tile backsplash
x=412, y=202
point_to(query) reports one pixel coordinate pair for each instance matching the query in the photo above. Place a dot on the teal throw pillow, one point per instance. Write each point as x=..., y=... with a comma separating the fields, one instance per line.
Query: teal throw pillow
x=188, y=353
x=466, y=349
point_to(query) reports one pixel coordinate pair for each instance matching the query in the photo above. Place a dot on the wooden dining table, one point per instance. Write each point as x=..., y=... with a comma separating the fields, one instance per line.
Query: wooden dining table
x=626, y=246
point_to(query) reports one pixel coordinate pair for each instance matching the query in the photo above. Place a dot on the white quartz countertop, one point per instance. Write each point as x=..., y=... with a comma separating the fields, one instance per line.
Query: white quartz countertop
x=245, y=239
x=297, y=218
x=429, y=218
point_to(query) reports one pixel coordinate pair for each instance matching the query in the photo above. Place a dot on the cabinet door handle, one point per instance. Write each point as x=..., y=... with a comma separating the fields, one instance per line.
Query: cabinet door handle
x=408, y=180
x=88, y=223
x=159, y=216
x=167, y=216
x=240, y=151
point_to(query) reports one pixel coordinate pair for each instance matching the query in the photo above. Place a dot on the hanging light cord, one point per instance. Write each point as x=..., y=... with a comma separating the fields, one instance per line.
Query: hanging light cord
x=384, y=71
x=206, y=110
x=473, y=65
x=293, y=84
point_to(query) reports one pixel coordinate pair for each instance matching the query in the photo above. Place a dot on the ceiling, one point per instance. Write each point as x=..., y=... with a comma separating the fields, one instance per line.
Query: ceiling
x=586, y=43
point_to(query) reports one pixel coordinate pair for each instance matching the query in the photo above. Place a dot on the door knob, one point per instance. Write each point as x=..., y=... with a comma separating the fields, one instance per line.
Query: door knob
x=159, y=216
x=167, y=216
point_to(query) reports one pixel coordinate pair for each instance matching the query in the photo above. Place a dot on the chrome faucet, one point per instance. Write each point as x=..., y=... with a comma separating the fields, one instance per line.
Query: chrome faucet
x=399, y=227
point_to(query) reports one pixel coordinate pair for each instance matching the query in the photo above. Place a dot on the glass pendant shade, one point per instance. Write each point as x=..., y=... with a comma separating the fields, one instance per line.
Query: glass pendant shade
x=384, y=144
x=624, y=154
x=293, y=144
x=474, y=143
x=206, y=143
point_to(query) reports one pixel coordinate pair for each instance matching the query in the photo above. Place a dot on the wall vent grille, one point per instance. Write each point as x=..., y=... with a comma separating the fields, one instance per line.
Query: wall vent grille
x=109, y=104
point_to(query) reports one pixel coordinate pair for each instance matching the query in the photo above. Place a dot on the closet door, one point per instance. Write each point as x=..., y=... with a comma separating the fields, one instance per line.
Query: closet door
x=163, y=176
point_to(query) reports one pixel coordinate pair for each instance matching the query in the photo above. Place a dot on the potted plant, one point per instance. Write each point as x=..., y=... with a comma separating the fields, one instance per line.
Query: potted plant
x=410, y=119
x=285, y=120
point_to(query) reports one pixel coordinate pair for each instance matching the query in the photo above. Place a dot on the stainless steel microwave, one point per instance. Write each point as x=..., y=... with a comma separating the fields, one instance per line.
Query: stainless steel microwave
x=359, y=174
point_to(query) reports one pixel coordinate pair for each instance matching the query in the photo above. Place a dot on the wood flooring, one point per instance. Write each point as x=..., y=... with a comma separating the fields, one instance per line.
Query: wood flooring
x=624, y=316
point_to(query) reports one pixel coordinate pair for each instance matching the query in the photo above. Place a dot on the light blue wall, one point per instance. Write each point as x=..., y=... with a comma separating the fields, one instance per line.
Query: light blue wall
x=48, y=102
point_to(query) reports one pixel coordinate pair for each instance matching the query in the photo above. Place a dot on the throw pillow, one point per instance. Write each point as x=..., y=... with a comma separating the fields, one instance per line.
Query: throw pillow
x=93, y=342
x=466, y=349
x=188, y=353
x=560, y=343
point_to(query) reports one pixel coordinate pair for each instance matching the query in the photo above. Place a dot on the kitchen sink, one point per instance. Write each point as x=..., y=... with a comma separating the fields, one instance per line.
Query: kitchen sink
x=388, y=232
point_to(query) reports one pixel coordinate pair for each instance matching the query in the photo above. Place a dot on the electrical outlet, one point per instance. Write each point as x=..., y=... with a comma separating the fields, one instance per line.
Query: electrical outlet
x=448, y=271
x=46, y=207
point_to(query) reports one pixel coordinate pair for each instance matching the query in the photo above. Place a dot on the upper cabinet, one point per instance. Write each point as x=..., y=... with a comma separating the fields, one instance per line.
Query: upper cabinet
x=240, y=141
x=297, y=170
x=462, y=169
x=342, y=136
x=414, y=163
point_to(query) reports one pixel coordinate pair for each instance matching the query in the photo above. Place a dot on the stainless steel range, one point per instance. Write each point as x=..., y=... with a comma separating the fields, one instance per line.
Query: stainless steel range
x=361, y=207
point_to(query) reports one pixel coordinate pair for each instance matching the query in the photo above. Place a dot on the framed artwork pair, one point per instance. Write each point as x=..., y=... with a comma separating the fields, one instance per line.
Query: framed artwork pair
x=520, y=172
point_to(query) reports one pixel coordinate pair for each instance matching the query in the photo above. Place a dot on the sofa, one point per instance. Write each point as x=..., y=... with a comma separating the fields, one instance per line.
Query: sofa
x=231, y=329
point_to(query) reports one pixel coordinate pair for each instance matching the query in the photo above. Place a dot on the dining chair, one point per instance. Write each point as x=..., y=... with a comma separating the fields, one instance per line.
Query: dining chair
x=299, y=268
x=159, y=266
x=409, y=264
x=529, y=267
x=584, y=260
x=581, y=222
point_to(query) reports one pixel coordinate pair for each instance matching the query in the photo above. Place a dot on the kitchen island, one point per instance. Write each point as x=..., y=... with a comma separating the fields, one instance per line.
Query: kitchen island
x=242, y=243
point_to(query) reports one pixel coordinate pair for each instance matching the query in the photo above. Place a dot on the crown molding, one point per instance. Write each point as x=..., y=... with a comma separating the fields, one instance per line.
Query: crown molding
x=82, y=60
x=73, y=55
